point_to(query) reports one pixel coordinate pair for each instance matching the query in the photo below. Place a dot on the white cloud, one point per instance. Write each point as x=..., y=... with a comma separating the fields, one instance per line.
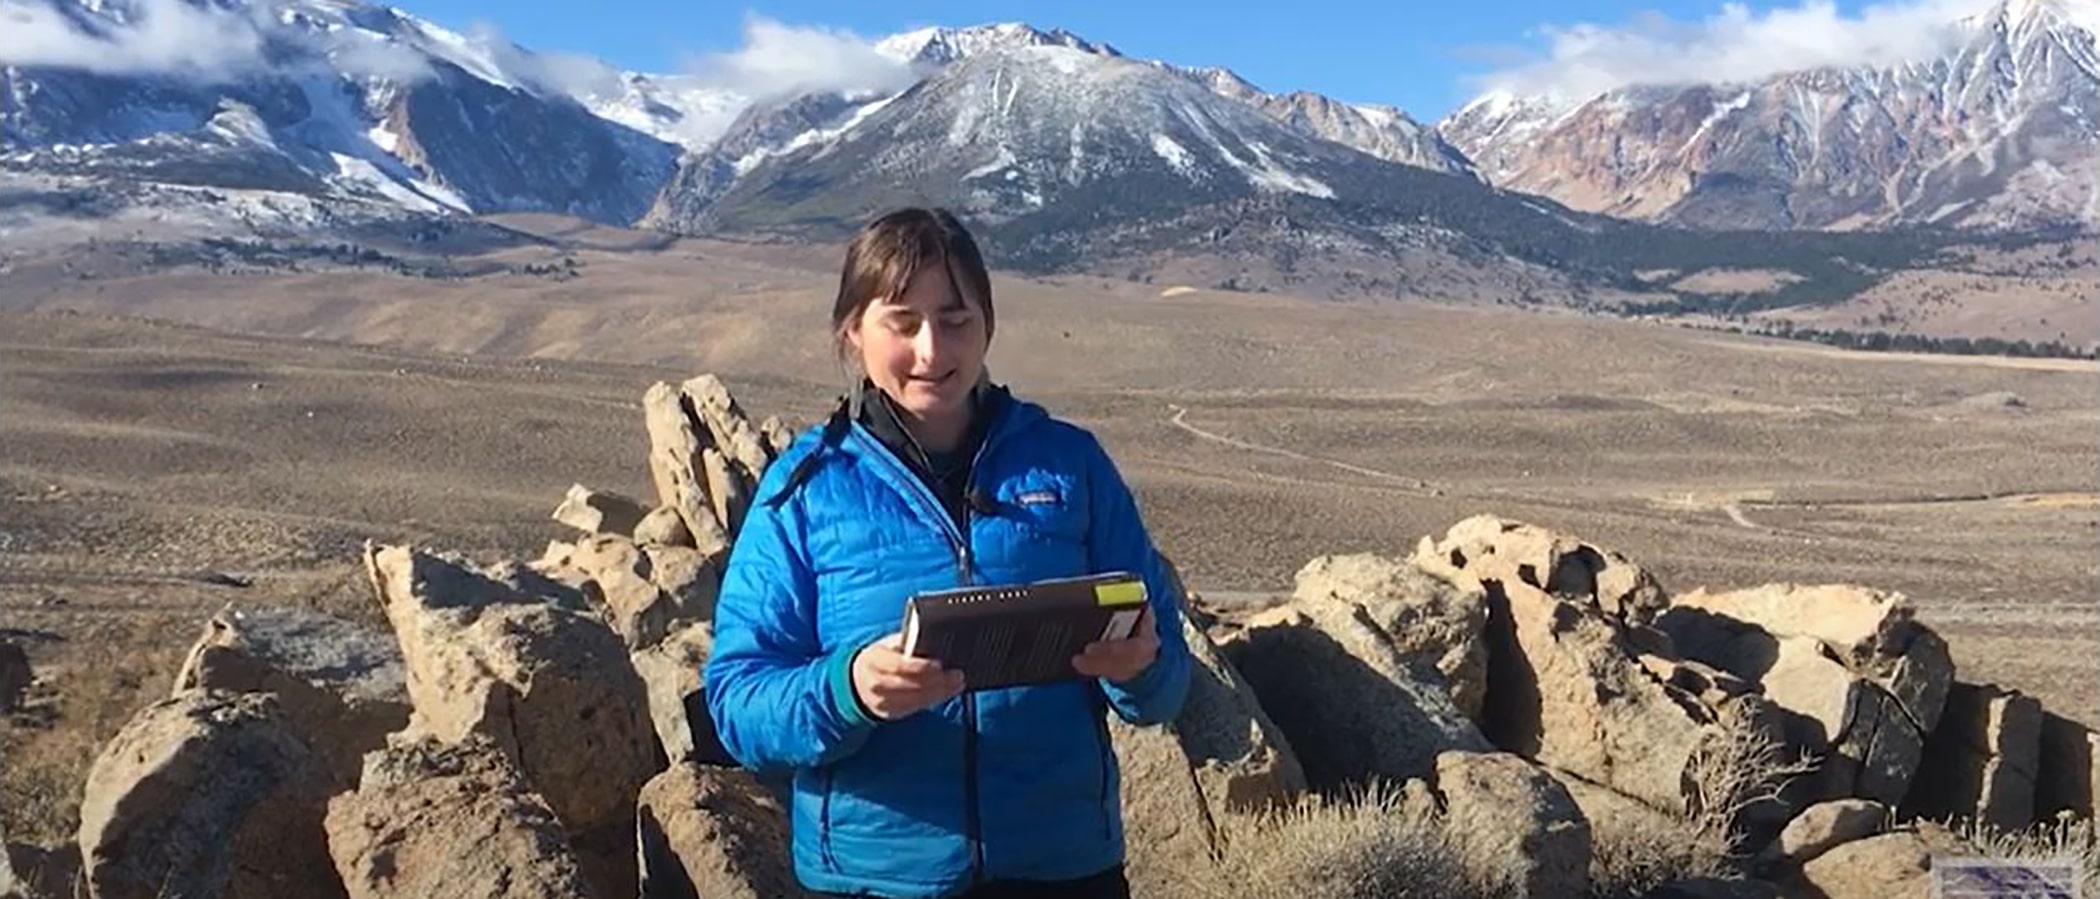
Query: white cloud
x=778, y=59
x=564, y=73
x=202, y=42
x=165, y=37
x=1733, y=45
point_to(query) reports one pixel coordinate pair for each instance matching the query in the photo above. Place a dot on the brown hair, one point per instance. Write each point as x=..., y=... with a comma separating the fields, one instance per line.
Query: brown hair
x=889, y=251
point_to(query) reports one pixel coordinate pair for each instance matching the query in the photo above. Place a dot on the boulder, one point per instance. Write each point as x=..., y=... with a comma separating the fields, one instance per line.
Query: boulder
x=674, y=670
x=1517, y=829
x=1486, y=547
x=1566, y=690
x=438, y=820
x=617, y=580
x=691, y=579
x=1981, y=762
x=727, y=484
x=339, y=684
x=599, y=511
x=1889, y=866
x=208, y=793
x=1859, y=677
x=662, y=527
x=1431, y=621
x=2068, y=768
x=510, y=654
x=1821, y=827
x=675, y=465
x=713, y=832
x=15, y=676
x=1222, y=755
x=1345, y=698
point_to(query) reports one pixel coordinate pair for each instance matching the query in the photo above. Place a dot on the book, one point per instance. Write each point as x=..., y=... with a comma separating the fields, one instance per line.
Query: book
x=1021, y=634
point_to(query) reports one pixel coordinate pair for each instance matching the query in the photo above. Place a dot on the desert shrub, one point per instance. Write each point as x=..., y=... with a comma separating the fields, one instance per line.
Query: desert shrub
x=1366, y=843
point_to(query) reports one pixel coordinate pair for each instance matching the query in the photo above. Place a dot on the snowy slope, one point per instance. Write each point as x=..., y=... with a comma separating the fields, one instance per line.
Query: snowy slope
x=2002, y=132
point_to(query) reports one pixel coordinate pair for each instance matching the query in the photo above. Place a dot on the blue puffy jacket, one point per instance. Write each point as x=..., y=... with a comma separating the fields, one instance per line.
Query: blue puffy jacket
x=1019, y=783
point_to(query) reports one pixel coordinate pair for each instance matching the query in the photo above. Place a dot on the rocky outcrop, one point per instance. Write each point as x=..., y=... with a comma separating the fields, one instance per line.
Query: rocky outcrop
x=1862, y=681
x=713, y=832
x=1345, y=697
x=339, y=684
x=599, y=512
x=449, y=820
x=1819, y=828
x=516, y=657
x=1431, y=621
x=15, y=676
x=208, y=793
x=1514, y=825
x=1888, y=866
x=674, y=671
x=1980, y=762
x=1221, y=756
x=1485, y=548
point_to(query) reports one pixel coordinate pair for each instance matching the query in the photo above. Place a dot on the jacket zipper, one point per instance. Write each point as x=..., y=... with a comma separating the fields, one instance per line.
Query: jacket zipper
x=1102, y=752
x=960, y=540
x=831, y=861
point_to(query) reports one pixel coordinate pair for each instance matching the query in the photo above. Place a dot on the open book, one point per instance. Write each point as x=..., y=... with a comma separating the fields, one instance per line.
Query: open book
x=1014, y=634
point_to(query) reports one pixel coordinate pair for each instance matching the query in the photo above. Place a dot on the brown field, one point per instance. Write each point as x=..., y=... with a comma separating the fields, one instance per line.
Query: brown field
x=137, y=457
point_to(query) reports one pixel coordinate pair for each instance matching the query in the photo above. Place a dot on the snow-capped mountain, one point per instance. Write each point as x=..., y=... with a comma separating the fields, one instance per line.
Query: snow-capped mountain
x=2004, y=131
x=1065, y=155
x=341, y=102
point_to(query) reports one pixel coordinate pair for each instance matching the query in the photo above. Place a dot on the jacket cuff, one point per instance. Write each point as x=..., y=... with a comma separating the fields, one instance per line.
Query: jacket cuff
x=843, y=696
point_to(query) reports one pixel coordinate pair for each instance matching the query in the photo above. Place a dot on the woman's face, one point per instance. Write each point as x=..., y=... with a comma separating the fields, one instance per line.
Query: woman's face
x=924, y=349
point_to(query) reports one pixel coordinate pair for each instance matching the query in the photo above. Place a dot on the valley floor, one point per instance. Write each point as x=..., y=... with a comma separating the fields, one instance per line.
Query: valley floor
x=150, y=466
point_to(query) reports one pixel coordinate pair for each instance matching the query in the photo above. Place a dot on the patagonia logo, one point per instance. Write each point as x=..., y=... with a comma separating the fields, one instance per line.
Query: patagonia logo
x=1037, y=498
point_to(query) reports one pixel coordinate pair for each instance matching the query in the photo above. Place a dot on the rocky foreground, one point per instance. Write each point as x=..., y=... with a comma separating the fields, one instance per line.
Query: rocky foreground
x=1506, y=712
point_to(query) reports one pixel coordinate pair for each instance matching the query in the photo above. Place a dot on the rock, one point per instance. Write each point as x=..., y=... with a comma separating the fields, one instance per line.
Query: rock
x=1518, y=830
x=1487, y=547
x=1222, y=755
x=1981, y=761
x=40, y=873
x=1431, y=621
x=15, y=676
x=733, y=433
x=690, y=578
x=675, y=465
x=2067, y=773
x=662, y=527
x=339, y=684
x=1819, y=828
x=618, y=581
x=713, y=832
x=1345, y=699
x=512, y=655
x=777, y=434
x=673, y=671
x=1888, y=866
x=436, y=820
x=1565, y=690
x=1858, y=674
x=726, y=484
x=599, y=512
x=206, y=794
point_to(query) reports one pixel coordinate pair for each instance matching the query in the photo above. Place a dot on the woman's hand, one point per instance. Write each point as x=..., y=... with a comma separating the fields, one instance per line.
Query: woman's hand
x=1122, y=660
x=892, y=685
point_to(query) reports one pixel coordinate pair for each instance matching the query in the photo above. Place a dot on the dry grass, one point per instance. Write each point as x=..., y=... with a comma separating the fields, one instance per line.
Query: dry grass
x=2066, y=837
x=1371, y=843
x=103, y=685
x=1738, y=773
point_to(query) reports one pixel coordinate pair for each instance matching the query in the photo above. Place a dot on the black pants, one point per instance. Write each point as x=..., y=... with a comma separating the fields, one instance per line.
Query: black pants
x=1109, y=884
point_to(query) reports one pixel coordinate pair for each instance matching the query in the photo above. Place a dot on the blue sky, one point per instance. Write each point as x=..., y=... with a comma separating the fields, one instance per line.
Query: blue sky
x=1424, y=57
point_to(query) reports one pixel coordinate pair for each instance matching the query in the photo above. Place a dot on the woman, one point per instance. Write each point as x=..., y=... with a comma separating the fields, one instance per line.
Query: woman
x=929, y=477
